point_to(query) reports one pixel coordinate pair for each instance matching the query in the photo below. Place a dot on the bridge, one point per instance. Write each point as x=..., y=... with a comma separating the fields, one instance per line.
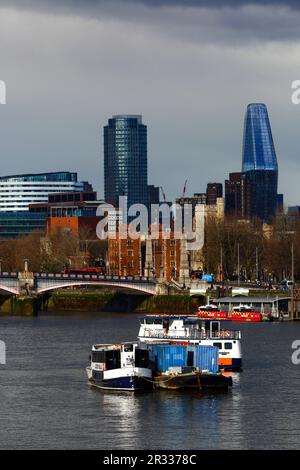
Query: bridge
x=37, y=283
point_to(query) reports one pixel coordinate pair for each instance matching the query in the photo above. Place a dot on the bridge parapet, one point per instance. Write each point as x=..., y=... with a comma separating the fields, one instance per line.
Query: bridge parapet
x=28, y=283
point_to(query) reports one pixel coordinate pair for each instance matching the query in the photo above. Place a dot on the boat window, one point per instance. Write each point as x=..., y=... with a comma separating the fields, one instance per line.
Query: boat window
x=218, y=345
x=153, y=321
x=141, y=358
x=228, y=345
x=98, y=356
x=214, y=327
x=128, y=347
x=113, y=359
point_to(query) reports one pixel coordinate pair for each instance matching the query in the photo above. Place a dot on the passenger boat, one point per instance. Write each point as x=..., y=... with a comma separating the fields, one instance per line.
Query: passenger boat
x=211, y=311
x=244, y=313
x=183, y=329
x=123, y=366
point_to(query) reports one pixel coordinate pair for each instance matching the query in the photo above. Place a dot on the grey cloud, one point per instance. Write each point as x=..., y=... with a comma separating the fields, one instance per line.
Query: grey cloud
x=189, y=72
x=211, y=21
x=86, y=4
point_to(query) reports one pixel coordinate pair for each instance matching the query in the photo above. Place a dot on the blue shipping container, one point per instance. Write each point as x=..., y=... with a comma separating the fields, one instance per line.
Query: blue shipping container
x=204, y=357
x=168, y=355
x=173, y=355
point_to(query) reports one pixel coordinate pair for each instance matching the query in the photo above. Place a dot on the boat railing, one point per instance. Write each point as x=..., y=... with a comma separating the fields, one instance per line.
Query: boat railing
x=191, y=334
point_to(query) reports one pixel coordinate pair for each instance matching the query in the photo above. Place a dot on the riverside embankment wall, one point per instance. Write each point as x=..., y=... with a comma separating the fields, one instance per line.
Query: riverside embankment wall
x=98, y=301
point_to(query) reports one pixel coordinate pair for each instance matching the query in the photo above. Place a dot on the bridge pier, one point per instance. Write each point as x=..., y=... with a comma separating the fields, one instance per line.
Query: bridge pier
x=12, y=304
x=26, y=282
x=17, y=305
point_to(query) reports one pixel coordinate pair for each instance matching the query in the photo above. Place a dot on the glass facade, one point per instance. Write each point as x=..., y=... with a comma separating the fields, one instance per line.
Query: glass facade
x=263, y=187
x=237, y=195
x=16, y=224
x=73, y=211
x=65, y=176
x=258, y=147
x=125, y=160
x=260, y=162
x=17, y=192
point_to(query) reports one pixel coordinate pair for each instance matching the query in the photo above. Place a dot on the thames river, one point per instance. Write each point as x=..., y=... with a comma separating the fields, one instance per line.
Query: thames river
x=45, y=401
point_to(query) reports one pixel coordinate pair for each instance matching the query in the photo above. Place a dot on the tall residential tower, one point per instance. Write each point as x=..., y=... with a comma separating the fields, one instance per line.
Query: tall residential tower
x=260, y=162
x=125, y=160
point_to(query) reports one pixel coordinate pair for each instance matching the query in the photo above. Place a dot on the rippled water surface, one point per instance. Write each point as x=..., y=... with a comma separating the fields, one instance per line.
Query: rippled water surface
x=45, y=401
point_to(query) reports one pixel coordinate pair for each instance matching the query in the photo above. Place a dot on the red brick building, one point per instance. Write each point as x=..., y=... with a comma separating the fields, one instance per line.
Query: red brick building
x=127, y=256
x=124, y=256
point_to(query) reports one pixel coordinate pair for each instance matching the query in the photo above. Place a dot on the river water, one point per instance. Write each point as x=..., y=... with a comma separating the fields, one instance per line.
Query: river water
x=45, y=401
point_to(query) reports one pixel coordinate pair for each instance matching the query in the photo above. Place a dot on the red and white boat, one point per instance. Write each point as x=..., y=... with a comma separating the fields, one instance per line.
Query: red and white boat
x=244, y=313
x=211, y=311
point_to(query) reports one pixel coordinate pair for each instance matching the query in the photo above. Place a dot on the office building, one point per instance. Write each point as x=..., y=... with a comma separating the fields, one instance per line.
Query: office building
x=213, y=192
x=237, y=196
x=153, y=194
x=18, y=191
x=21, y=223
x=75, y=212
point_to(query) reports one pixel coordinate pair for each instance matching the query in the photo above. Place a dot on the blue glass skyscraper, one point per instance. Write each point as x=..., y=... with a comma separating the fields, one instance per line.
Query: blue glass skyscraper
x=125, y=160
x=258, y=148
x=260, y=162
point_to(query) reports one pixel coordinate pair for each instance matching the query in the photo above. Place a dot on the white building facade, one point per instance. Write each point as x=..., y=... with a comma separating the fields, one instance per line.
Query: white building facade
x=18, y=191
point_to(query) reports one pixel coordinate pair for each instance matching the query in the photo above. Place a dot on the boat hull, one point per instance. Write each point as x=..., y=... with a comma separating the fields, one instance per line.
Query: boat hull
x=130, y=382
x=193, y=380
x=251, y=320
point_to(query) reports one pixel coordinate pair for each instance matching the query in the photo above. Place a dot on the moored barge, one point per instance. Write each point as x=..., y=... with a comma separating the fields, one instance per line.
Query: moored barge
x=185, y=367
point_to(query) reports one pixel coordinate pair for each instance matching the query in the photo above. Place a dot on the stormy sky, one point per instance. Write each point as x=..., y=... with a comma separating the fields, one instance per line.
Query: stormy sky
x=189, y=67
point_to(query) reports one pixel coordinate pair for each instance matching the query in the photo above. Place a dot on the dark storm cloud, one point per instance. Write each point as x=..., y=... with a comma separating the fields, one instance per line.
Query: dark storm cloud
x=190, y=68
x=85, y=4
x=193, y=20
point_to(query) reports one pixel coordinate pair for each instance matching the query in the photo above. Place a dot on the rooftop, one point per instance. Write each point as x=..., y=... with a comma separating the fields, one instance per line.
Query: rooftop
x=249, y=300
